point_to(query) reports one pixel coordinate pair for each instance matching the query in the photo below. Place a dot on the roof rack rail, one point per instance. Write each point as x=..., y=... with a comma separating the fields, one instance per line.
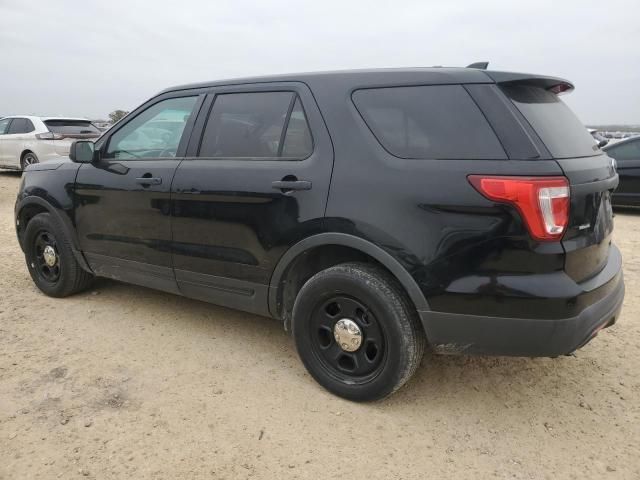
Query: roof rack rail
x=479, y=65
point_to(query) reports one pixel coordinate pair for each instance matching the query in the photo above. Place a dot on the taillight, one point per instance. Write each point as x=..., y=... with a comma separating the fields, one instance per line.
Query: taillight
x=543, y=202
x=49, y=136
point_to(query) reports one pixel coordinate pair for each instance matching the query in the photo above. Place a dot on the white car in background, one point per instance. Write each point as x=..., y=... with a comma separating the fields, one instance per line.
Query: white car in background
x=25, y=140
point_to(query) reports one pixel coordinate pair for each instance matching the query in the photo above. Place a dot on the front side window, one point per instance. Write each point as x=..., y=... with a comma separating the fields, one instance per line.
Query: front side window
x=4, y=125
x=264, y=125
x=154, y=133
x=428, y=122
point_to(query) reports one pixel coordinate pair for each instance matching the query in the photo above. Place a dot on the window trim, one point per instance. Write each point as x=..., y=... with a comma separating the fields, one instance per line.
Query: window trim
x=296, y=95
x=412, y=85
x=102, y=143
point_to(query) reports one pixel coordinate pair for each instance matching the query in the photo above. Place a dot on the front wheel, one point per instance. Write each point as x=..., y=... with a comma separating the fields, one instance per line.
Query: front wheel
x=356, y=332
x=52, y=265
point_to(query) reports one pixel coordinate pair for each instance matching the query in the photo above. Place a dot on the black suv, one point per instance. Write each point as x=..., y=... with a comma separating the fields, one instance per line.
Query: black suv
x=372, y=212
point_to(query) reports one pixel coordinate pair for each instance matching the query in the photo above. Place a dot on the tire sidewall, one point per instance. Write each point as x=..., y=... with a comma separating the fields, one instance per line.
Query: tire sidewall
x=389, y=313
x=45, y=222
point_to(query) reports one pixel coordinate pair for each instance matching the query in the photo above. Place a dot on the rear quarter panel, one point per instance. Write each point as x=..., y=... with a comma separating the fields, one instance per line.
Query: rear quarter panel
x=424, y=212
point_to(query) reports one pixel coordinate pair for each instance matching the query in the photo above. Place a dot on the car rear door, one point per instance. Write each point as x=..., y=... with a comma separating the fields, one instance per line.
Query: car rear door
x=255, y=181
x=13, y=141
x=122, y=209
x=4, y=127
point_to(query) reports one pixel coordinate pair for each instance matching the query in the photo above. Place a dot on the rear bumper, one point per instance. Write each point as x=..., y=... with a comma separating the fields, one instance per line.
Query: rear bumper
x=463, y=333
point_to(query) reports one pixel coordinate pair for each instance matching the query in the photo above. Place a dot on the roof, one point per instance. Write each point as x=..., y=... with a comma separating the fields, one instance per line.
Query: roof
x=435, y=75
x=31, y=117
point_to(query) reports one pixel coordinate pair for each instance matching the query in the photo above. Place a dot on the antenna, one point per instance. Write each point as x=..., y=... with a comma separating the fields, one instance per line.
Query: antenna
x=479, y=65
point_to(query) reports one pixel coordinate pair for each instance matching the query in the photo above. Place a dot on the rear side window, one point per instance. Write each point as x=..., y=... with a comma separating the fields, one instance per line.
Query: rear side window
x=21, y=125
x=267, y=125
x=435, y=122
x=71, y=127
x=556, y=125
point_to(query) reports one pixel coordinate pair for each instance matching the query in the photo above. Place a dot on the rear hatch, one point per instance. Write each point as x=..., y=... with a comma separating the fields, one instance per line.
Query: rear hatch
x=65, y=131
x=590, y=172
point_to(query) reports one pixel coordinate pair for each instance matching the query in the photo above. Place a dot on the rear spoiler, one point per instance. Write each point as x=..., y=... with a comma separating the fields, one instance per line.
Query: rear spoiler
x=553, y=84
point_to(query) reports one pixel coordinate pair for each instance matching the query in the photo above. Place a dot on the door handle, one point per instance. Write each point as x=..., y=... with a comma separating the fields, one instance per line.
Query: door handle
x=149, y=181
x=288, y=186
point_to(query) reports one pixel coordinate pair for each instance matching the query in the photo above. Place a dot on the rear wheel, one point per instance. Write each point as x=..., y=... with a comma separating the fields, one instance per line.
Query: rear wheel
x=52, y=265
x=29, y=158
x=356, y=332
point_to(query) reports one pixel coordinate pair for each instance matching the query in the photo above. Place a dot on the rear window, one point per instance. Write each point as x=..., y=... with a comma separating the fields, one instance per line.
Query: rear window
x=434, y=122
x=71, y=127
x=556, y=125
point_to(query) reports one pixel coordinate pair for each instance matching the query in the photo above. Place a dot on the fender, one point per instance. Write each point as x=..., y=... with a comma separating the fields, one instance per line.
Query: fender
x=357, y=243
x=63, y=221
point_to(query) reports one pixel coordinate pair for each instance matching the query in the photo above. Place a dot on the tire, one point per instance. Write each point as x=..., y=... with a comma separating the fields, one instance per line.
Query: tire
x=27, y=159
x=391, y=343
x=64, y=276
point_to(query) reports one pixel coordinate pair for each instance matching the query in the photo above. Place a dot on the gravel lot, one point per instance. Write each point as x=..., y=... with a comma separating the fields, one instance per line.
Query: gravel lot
x=126, y=382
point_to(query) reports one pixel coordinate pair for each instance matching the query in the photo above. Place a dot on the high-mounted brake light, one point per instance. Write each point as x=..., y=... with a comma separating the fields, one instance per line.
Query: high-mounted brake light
x=543, y=202
x=561, y=88
x=49, y=136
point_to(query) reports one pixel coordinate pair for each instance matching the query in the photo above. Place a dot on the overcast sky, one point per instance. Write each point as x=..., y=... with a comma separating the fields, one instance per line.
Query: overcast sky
x=63, y=57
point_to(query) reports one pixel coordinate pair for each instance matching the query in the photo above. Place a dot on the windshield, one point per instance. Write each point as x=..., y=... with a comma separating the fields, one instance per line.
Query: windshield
x=556, y=125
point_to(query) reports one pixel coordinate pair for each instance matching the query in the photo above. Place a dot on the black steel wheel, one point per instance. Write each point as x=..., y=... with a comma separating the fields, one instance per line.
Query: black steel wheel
x=46, y=256
x=348, y=339
x=356, y=331
x=50, y=259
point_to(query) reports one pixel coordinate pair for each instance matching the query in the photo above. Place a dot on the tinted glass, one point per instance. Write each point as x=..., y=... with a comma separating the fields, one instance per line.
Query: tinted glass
x=438, y=122
x=156, y=132
x=20, y=125
x=71, y=127
x=557, y=126
x=626, y=151
x=246, y=125
x=4, y=125
x=297, y=140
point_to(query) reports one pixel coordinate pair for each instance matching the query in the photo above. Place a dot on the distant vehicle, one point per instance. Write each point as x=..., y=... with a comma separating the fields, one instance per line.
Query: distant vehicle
x=627, y=156
x=25, y=140
x=598, y=137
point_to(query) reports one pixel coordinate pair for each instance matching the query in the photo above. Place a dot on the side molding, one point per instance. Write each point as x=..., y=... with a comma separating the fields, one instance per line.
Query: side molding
x=357, y=243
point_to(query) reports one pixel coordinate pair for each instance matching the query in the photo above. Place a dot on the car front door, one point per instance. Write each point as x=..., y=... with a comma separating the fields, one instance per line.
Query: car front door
x=255, y=181
x=122, y=209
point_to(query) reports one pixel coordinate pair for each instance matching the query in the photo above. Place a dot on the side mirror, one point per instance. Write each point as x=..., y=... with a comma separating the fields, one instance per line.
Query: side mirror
x=83, y=151
x=602, y=143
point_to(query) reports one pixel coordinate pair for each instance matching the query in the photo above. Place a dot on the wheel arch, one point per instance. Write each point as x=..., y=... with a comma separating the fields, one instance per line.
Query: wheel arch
x=25, y=151
x=341, y=243
x=31, y=206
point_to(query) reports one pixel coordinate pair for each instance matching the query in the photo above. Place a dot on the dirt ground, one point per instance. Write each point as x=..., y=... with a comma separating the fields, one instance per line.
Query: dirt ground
x=125, y=382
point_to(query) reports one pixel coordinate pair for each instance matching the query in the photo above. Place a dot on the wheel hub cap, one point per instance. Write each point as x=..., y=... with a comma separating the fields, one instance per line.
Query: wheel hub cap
x=347, y=334
x=49, y=255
